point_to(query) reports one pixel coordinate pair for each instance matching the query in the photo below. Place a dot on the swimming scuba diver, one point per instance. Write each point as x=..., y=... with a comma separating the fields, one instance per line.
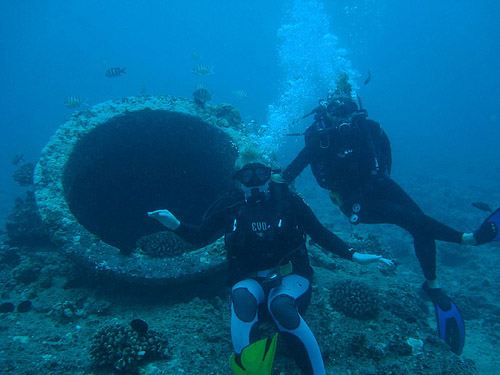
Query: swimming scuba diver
x=350, y=155
x=265, y=229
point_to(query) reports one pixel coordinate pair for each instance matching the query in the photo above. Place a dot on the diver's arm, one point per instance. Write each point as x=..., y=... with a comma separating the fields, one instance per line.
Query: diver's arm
x=195, y=234
x=330, y=241
x=298, y=164
x=318, y=233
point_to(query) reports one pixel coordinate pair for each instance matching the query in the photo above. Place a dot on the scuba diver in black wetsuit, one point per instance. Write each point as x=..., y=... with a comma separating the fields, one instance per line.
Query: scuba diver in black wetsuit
x=265, y=229
x=350, y=155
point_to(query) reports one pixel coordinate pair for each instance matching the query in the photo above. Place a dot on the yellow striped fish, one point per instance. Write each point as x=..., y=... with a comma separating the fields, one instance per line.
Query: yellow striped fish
x=114, y=72
x=74, y=101
x=201, y=95
x=203, y=70
x=240, y=94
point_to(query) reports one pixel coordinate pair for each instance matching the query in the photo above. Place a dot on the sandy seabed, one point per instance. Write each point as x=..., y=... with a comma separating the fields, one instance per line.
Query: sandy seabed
x=55, y=336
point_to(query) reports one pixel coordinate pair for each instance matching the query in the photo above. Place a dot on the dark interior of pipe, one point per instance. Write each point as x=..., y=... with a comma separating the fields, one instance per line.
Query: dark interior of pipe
x=142, y=161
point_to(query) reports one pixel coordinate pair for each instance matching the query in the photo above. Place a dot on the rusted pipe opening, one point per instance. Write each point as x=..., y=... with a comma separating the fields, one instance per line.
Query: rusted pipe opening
x=142, y=161
x=105, y=168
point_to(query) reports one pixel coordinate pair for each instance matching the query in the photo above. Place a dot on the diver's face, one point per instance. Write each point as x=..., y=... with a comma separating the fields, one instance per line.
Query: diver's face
x=253, y=175
x=342, y=108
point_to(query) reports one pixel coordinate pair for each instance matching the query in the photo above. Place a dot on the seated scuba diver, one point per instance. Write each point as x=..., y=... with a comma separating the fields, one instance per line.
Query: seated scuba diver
x=265, y=229
x=350, y=155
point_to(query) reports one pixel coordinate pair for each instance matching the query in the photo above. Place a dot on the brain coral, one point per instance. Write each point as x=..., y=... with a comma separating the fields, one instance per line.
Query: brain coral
x=355, y=299
x=163, y=244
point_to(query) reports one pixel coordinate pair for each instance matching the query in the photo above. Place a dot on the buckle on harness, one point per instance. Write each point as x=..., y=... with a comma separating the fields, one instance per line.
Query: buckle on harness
x=274, y=276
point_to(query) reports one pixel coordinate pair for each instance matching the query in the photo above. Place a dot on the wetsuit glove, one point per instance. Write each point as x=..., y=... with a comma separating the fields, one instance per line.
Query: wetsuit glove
x=370, y=258
x=166, y=218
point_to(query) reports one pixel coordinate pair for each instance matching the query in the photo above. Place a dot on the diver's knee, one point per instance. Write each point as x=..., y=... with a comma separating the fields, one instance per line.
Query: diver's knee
x=244, y=304
x=285, y=312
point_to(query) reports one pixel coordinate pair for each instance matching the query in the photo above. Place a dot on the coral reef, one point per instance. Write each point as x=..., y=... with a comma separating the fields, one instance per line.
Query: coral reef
x=10, y=256
x=67, y=311
x=27, y=271
x=24, y=174
x=118, y=345
x=79, y=307
x=355, y=299
x=163, y=244
x=228, y=116
x=24, y=225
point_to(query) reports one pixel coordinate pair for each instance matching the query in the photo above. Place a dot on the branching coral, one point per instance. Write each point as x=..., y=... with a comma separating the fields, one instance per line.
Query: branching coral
x=118, y=345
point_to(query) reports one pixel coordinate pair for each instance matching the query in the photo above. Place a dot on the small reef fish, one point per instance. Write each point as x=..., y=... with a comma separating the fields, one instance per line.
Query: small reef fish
x=74, y=101
x=482, y=206
x=114, y=72
x=201, y=95
x=17, y=159
x=369, y=78
x=203, y=70
x=242, y=94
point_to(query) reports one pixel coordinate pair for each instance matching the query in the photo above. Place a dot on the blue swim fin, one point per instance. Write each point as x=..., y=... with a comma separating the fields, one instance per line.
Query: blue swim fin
x=450, y=324
x=488, y=231
x=495, y=219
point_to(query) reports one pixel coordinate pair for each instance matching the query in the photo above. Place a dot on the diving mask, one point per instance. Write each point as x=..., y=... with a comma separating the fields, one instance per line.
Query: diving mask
x=253, y=174
x=341, y=107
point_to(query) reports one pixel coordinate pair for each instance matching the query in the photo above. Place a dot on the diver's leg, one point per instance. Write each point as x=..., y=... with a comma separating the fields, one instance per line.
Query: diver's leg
x=285, y=304
x=389, y=203
x=425, y=250
x=246, y=296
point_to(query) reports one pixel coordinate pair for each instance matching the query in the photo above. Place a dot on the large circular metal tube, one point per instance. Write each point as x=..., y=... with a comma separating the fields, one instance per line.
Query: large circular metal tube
x=108, y=166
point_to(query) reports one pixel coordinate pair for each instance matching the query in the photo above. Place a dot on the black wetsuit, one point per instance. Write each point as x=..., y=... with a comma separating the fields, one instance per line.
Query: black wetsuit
x=260, y=233
x=354, y=165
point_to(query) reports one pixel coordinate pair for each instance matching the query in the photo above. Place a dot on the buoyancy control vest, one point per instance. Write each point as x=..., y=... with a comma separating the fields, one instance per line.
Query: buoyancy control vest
x=345, y=157
x=263, y=233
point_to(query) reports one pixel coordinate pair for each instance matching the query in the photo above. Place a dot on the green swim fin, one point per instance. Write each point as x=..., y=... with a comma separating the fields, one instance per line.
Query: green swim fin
x=256, y=358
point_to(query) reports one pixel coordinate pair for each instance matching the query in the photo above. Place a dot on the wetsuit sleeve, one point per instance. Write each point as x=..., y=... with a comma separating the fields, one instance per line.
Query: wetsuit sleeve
x=209, y=231
x=298, y=164
x=318, y=233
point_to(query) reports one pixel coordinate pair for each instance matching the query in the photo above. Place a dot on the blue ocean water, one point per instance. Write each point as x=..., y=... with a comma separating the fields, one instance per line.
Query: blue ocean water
x=434, y=67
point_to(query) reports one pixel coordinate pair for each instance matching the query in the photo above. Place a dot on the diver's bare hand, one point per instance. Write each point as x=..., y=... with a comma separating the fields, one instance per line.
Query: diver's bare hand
x=371, y=258
x=166, y=218
x=388, y=262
